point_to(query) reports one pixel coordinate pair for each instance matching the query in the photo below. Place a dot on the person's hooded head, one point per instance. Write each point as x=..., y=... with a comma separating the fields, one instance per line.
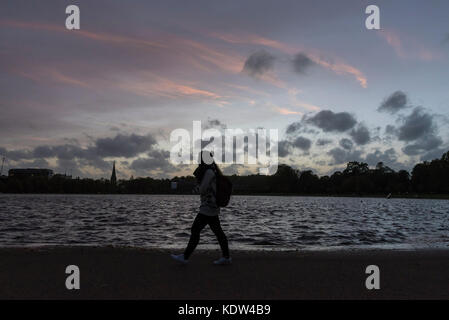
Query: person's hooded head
x=205, y=161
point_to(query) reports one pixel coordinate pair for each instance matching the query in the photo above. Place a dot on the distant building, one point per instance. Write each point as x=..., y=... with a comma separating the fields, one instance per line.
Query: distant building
x=174, y=185
x=30, y=172
x=113, y=176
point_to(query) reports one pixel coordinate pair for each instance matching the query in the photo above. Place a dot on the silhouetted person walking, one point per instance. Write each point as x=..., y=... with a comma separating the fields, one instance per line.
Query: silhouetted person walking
x=206, y=174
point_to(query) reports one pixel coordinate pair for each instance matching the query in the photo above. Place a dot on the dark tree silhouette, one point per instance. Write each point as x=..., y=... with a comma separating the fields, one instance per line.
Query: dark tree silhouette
x=427, y=178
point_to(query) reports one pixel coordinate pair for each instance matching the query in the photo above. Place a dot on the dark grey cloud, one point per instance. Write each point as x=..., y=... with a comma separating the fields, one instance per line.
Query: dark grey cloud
x=301, y=62
x=388, y=157
x=416, y=125
x=390, y=130
x=96, y=162
x=214, y=123
x=293, y=127
x=65, y=151
x=38, y=163
x=323, y=142
x=156, y=160
x=346, y=144
x=434, y=154
x=360, y=135
x=124, y=145
x=329, y=121
x=340, y=156
x=18, y=155
x=119, y=146
x=74, y=157
x=301, y=143
x=285, y=147
x=423, y=144
x=393, y=103
x=258, y=63
x=420, y=130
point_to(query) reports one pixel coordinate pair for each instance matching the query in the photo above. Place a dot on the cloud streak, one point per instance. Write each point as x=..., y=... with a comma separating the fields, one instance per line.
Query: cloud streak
x=313, y=56
x=97, y=36
x=407, y=47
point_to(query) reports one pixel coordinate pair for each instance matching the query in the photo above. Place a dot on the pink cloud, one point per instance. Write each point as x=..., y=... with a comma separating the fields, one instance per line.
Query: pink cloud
x=203, y=56
x=149, y=84
x=226, y=61
x=48, y=75
x=407, y=47
x=285, y=111
x=104, y=37
x=307, y=106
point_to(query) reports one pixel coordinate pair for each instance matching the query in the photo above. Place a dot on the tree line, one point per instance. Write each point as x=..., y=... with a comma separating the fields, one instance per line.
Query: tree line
x=426, y=178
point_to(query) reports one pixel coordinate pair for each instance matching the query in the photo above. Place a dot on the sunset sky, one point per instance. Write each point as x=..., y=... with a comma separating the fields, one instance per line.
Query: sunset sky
x=76, y=100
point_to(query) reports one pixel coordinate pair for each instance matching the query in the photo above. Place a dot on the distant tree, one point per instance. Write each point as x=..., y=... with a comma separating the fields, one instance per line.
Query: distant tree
x=285, y=179
x=356, y=178
x=445, y=157
x=355, y=167
x=308, y=182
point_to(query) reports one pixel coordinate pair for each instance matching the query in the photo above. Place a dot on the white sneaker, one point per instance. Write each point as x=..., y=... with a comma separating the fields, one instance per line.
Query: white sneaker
x=179, y=258
x=223, y=261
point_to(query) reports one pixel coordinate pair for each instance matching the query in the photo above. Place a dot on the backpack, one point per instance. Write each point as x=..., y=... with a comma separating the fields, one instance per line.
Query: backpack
x=224, y=190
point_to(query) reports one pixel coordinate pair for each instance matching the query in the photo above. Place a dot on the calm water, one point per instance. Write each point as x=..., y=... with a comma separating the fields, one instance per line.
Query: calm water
x=251, y=222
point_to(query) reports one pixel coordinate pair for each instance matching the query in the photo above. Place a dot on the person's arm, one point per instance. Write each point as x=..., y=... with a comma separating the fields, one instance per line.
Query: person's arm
x=208, y=176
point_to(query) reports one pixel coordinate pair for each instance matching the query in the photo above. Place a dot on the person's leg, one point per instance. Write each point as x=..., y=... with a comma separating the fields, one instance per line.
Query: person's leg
x=214, y=224
x=198, y=224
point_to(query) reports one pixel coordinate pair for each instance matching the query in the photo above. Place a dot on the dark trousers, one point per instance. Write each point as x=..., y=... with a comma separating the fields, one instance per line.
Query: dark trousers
x=200, y=222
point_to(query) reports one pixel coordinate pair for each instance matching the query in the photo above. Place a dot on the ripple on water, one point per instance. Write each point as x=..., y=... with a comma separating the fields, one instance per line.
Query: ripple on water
x=249, y=222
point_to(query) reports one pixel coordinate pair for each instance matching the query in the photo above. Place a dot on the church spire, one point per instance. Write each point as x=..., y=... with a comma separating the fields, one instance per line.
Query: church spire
x=113, y=176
